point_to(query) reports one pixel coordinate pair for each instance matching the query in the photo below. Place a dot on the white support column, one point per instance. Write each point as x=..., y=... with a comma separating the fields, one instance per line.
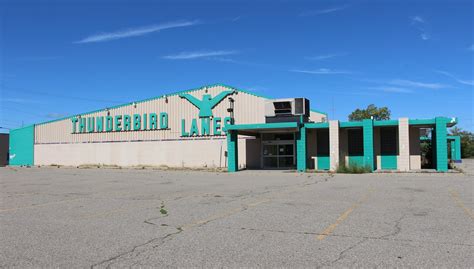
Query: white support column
x=403, y=144
x=333, y=144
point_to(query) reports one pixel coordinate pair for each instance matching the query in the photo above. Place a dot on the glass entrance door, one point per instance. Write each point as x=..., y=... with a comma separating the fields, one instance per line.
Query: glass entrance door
x=278, y=154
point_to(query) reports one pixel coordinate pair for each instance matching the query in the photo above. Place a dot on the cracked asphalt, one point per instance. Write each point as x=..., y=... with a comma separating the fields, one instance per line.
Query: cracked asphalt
x=67, y=217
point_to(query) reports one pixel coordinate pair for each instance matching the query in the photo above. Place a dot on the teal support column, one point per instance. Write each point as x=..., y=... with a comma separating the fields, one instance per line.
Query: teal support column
x=232, y=152
x=441, y=144
x=301, y=150
x=368, y=134
x=457, y=148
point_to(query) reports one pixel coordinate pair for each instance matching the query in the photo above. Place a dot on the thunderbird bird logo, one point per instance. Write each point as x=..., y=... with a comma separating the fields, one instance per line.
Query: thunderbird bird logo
x=207, y=103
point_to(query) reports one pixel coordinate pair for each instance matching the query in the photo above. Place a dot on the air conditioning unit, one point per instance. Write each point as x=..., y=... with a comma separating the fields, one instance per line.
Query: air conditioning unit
x=287, y=110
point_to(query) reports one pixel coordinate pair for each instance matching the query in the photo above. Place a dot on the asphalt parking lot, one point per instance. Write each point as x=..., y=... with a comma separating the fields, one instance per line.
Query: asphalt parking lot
x=68, y=217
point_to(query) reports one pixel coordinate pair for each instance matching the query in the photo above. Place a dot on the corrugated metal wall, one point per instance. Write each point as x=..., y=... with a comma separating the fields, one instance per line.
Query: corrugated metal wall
x=248, y=109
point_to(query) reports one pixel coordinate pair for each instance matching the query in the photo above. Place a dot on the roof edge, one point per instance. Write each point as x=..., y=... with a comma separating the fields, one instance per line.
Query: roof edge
x=171, y=94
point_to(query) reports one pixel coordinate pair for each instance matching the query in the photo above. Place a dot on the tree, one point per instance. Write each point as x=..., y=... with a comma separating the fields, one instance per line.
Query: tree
x=382, y=113
x=467, y=142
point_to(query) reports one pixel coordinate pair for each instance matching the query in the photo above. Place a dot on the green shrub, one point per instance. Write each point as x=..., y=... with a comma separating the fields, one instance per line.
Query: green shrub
x=353, y=169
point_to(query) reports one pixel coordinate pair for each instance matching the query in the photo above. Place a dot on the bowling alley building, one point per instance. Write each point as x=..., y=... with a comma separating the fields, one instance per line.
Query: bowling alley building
x=219, y=126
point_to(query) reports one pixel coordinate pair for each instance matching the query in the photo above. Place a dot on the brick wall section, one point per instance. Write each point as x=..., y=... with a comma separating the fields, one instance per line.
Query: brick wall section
x=333, y=144
x=403, y=144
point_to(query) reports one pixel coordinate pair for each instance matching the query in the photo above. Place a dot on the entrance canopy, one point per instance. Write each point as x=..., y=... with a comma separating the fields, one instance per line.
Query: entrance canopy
x=254, y=129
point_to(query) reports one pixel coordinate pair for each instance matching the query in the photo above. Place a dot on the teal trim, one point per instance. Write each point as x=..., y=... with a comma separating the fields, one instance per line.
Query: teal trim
x=172, y=94
x=21, y=146
x=421, y=122
x=389, y=162
x=385, y=123
x=301, y=150
x=348, y=124
x=441, y=144
x=425, y=138
x=317, y=125
x=259, y=126
x=323, y=162
x=455, y=147
x=232, y=152
x=368, y=143
x=356, y=161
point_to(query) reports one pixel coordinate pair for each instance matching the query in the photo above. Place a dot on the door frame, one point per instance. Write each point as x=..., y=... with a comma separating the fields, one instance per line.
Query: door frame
x=278, y=143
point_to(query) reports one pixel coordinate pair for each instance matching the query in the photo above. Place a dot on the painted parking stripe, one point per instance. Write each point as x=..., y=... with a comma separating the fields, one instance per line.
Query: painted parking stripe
x=459, y=203
x=343, y=216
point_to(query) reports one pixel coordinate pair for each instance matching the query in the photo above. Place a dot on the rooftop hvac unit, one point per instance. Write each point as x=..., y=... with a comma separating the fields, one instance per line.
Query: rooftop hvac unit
x=287, y=110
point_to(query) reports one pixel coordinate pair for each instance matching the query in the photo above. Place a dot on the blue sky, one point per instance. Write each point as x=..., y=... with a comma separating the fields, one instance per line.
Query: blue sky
x=63, y=58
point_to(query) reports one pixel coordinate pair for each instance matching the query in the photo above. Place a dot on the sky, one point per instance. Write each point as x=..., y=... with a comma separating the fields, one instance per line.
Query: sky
x=61, y=58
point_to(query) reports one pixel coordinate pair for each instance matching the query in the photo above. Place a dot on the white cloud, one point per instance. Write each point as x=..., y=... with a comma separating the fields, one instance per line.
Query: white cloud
x=471, y=48
x=392, y=89
x=424, y=36
x=324, y=11
x=417, y=19
x=199, y=54
x=20, y=100
x=465, y=82
x=131, y=32
x=325, y=56
x=420, y=23
x=55, y=115
x=416, y=84
x=321, y=71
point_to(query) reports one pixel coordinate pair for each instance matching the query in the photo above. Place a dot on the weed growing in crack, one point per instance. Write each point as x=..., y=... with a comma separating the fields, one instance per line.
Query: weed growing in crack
x=163, y=211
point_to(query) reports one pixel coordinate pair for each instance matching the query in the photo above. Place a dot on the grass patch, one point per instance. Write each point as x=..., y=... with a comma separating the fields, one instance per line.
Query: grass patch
x=163, y=211
x=353, y=169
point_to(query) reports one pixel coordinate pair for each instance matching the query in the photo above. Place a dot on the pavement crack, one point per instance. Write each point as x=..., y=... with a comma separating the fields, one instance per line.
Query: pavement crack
x=134, y=250
x=397, y=228
x=343, y=252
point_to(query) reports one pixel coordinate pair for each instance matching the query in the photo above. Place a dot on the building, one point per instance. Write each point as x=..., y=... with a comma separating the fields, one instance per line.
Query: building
x=4, y=149
x=221, y=126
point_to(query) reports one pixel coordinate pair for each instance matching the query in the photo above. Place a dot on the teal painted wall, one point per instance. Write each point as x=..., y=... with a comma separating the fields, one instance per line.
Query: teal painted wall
x=323, y=163
x=368, y=127
x=301, y=150
x=389, y=162
x=232, y=152
x=455, y=147
x=441, y=144
x=356, y=161
x=22, y=146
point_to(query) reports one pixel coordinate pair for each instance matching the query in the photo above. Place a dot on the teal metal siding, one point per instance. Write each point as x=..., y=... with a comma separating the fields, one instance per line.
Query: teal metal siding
x=323, y=163
x=441, y=144
x=22, y=146
x=301, y=150
x=389, y=162
x=356, y=161
x=368, y=143
x=232, y=152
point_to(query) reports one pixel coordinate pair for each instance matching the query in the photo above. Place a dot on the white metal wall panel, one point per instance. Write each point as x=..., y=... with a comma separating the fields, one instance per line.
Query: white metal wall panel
x=248, y=109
